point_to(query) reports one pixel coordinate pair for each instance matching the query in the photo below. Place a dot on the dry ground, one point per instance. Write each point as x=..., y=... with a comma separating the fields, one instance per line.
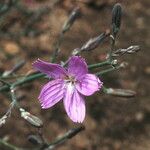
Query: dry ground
x=111, y=123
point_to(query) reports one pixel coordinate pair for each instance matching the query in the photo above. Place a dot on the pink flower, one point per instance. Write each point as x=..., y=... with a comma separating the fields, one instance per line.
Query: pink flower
x=70, y=84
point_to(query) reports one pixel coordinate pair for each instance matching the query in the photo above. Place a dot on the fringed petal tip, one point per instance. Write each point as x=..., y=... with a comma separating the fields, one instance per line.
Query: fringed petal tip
x=43, y=106
x=100, y=83
x=74, y=105
x=36, y=62
x=52, y=70
x=77, y=121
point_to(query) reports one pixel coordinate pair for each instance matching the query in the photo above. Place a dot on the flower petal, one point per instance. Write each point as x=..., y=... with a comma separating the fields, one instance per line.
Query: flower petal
x=74, y=104
x=89, y=84
x=77, y=66
x=51, y=93
x=52, y=70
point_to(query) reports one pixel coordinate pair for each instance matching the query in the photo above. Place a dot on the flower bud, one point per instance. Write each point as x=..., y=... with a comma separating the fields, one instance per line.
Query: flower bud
x=18, y=66
x=116, y=18
x=130, y=50
x=33, y=120
x=133, y=49
x=71, y=19
x=121, y=92
x=94, y=42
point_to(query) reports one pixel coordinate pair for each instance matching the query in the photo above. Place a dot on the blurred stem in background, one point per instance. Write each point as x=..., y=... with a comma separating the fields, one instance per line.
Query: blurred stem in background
x=66, y=27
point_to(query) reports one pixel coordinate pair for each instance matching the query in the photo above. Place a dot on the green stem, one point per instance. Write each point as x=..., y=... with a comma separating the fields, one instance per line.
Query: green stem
x=22, y=81
x=71, y=133
x=11, y=77
x=8, y=146
x=104, y=89
x=112, y=44
x=98, y=64
x=57, y=47
x=28, y=79
x=108, y=70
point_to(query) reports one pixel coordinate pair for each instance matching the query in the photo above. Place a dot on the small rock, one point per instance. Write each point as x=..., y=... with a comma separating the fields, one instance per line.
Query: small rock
x=147, y=70
x=11, y=48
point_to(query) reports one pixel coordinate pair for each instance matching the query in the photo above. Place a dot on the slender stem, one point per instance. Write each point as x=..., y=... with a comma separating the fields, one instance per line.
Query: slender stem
x=22, y=81
x=92, y=66
x=71, y=133
x=108, y=70
x=112, y=44
x=9, y=146
x=13, y=97
x=13, y=76
x=57, y=47
x=28, y=79
x=66, y=27
x=104, y=89
x=15, y=68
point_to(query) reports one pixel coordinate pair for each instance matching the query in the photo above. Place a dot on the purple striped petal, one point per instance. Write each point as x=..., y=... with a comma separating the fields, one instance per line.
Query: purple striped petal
x=89, y=84
x=74, y=104
x=52, y=70
x=51, y=93
x=77, y=66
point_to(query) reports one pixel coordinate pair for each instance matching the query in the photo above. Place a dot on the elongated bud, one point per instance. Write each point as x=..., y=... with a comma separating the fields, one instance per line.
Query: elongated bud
x=73, y=16
x=133, y=49
x=121, y=92
x=18, y=66
x=33, y=120
x=130, y=50
x=92, y=43
x=116, y=18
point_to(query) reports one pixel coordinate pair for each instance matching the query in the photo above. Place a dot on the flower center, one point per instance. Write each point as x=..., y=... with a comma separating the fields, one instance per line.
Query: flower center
x=70, y=79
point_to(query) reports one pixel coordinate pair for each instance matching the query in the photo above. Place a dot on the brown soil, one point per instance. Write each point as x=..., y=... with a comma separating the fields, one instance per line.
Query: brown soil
x=111, y=123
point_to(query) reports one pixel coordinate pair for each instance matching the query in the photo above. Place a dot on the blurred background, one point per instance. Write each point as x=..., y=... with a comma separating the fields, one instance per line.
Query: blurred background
x=29, y=29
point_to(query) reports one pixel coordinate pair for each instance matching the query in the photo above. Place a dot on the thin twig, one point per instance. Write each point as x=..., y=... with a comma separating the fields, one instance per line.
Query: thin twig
x=101, y=64
x=66, y=27
x=71, y=133
x=122, y=65
x=8, y=146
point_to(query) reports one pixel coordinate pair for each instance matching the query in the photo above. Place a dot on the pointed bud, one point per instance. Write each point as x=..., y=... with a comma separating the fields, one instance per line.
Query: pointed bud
x=116, y=18
x=133, y=49
x=130, y=50
x=33, y=120
x=18, y=66
x=73, y=16
x=94, y=42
